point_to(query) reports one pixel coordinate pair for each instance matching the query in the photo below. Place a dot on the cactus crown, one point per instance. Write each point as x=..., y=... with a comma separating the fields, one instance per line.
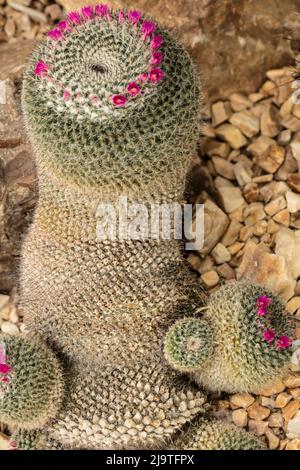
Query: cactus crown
x=110, y=89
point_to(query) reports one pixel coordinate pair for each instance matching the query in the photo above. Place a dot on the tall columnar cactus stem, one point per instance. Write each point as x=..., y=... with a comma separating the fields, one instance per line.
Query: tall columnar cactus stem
x=217, y=435
x=31, y=385
x=111, y=105
x=248, y=344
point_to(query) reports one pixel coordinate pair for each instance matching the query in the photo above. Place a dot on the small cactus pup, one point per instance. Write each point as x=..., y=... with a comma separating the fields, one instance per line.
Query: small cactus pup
x=31, y=384
x=244, y=344
x=188, y=344
x=112, y=108
x=204, y=434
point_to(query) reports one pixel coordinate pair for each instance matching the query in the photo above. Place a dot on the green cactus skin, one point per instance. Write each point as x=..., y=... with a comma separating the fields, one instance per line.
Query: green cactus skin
x=33, y=393
x=217, y=435
x=108, y=304
x=33, y=440
x=188, y=344
x=241, y=360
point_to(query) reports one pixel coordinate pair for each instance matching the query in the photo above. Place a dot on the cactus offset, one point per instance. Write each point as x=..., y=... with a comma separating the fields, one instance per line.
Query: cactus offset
x=31, y=389
x=250, y=337
x=217, y=435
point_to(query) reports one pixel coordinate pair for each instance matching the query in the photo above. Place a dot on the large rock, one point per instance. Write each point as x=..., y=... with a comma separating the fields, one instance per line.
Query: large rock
x=234, y=41
x=266, y=269
x=13, y=57
x=17, y=185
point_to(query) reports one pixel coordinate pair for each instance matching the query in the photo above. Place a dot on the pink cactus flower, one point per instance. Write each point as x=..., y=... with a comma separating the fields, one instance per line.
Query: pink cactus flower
x=155, y=75
x=134, y=16
x=41, y=69
x=156, y=58
x=74, y=17
x=4, y=368
x=283, y=342
x=261, y=311
x=156, y=42
x=87, y=12
x=269, y=335
x=95, y=99
x=55, y=34
x=263, y=301
x=4, y=380
x=63, y=25
x=143, y=77
x=121, y=17
x=66, y=95
x=148, y=28
x=119, y=100
x=133, y=88
x=102, y=10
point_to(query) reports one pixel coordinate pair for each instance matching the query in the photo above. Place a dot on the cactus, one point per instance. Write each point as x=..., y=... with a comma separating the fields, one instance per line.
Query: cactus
x=112, y=108
x=111, y=105
x=217, y=435
x=188, y=344
x=249, y=343
x=31, y=385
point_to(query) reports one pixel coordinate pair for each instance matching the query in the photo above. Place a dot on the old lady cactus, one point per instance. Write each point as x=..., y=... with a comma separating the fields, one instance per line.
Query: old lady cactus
x=112, y=108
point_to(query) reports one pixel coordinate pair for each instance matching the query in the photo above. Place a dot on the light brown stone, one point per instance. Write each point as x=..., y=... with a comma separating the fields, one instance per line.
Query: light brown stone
x=246, y=122
x=289, y=411
x=269, y=122
x=242, y=173
x=232, y=135
x=240, y=418
x=292, y=381
x=294, y=444
x=272, y=158
x=272, y=439
x=215, y=225
x=276, y=205
x=235, y=248
x=258, y=427
x=291, y=239
x=260, y=145
x=266, y=269
x=220, y=254
x=215, y=147
x=275, y=420
x=258, y=412
x=282, y=400
x=292, y=306
x=232, y=198
x=282, y=217
x=284, y=137
x=210, y=278
x=246, y=233
x=224, y=167
x=220, y=112
x=232, y=233
x=272, y=227
x=293, y=202
x=242, y=400
x=294, y=182
x=226, y=271
x=253, y=213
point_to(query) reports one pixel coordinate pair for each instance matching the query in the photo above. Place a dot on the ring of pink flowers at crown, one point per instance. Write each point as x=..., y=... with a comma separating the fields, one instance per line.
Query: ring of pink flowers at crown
x=5, y=368
x=269, y=334
x=152, y=76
